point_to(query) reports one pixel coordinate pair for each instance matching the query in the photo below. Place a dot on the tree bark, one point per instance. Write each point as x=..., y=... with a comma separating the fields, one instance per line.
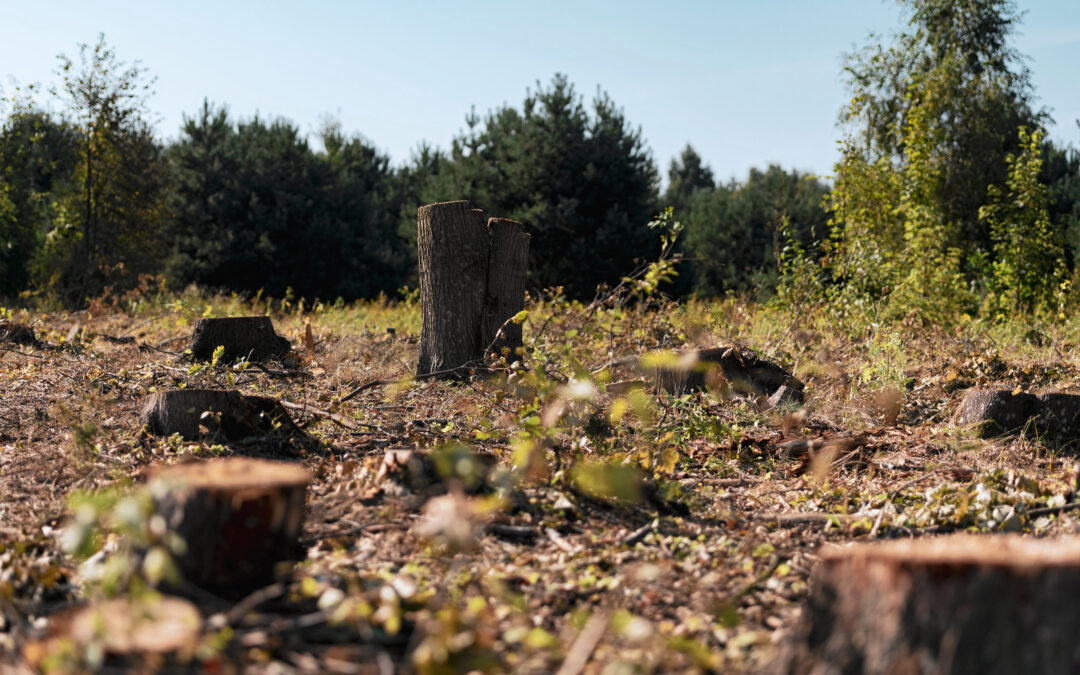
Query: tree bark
x=232, y=416
x=243, y=337
x=240, y=518
x=957, y=604
x=472, y=279
x=507, y=265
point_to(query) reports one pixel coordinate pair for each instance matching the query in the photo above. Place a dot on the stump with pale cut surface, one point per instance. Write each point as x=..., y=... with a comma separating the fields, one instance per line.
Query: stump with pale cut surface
x=956, y=604
x=240, y=519
x=222, y=414
x=472, y=281
x=124, y=629
x=243, y=337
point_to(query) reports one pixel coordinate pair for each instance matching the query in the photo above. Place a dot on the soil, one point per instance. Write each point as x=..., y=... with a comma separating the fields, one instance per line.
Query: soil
x=534, y=560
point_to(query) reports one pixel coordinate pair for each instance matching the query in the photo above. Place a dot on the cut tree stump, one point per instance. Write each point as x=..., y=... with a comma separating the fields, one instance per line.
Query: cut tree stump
x=1054, y=416
x=17, y=333
x=240, y=519
x=124, y=628
x=472, y=281
x=243, y=337
x=957, y=604
x=194, y=413
x=739, y=370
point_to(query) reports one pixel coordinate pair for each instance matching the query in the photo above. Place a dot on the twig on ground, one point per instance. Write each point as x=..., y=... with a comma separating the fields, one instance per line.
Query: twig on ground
x=318, y=412
x=639, y=534
x=581, y=651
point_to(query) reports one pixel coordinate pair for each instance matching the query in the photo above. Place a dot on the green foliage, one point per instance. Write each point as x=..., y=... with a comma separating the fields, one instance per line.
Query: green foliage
x=1028, y=269
x=581, y=183
x=733, y=232
x=686, y=176
x=256, y=208
x=108, y=228
x=931, y=122
x=954, y=59
x=37, y=163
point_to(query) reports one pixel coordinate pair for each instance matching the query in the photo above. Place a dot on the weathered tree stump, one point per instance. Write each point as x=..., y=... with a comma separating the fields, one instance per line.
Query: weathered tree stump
x=240, y=519
x=472, y=281
x=193, y=413
x=956, y=604
x=742, y=371
x=243, y=337
x=996, y=411
x=17, y=333
x=124, y=628
x=1055, y=416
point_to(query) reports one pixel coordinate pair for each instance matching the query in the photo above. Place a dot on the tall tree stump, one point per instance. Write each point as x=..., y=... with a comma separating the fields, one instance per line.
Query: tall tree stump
x=956, y=604
x=193, y=413
x=472, y=280
x=240, y=519
x=243, y=337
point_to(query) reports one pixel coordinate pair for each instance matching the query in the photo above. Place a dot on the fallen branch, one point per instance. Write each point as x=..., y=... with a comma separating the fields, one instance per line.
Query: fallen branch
x=318, y=412
x=639, y=534
x=792, y=519
x=581, y=651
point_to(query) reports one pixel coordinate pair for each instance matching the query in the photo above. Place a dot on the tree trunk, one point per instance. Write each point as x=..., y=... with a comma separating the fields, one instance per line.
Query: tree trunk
x=956, y=604
x=240, y=518
x=507, y=265
x=472, y=279
x=243, y=337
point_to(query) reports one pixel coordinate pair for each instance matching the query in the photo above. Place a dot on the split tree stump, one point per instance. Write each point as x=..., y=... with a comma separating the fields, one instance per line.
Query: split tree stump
x=472, y=280
x=240, y=519
x=243, y=337
x=957, y=604
x=193, y=413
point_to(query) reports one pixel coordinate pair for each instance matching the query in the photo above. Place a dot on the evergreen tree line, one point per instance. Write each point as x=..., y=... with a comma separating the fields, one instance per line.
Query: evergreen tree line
x=947, y=195
x=90, y=200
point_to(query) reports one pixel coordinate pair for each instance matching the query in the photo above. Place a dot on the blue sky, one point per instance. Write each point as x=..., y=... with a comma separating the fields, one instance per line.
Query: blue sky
x=747, y=83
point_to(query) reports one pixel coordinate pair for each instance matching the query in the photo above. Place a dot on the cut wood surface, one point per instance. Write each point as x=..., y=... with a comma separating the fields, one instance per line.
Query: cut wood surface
x=122, y=627
x=239, y=518
x=193, y=413
x=472, y=280
x=956, y=604
x=243, y=337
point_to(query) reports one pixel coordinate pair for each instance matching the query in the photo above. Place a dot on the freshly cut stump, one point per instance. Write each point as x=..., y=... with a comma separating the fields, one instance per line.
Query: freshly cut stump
x=239, y=517
x=124, y=628
x=243, y=337
x=729, y=368
x=195, y=412
x=957, y=604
